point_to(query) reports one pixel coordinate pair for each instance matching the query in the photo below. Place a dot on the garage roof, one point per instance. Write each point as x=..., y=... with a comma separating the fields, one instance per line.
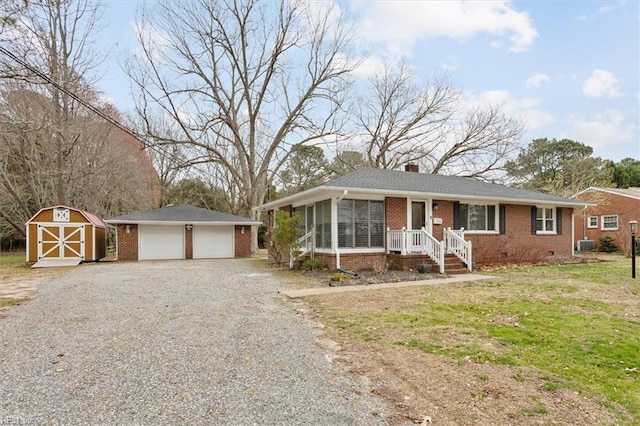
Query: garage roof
x=182, y=213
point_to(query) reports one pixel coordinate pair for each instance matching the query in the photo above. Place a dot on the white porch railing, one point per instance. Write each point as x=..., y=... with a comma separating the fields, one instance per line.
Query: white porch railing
x=416, y=241
x=305, y=245
x=455, y=243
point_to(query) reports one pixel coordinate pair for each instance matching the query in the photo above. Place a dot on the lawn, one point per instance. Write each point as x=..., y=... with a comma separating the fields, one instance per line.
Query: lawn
x=577, y=326
x=12, y=258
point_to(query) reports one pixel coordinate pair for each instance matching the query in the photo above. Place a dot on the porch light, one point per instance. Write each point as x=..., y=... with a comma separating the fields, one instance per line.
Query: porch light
x=434, y=206
x=189, y=227
x=633, y=224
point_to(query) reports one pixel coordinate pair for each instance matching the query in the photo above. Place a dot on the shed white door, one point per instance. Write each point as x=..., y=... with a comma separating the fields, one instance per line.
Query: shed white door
x=61, y=241
x=160, y=242
x=212, y=242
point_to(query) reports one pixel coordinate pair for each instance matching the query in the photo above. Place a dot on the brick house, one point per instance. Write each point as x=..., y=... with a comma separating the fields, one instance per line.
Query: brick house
x=181, y=232
x=408, y=218
x=609, y=216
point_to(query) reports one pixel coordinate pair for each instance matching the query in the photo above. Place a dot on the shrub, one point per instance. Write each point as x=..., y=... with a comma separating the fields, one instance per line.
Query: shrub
x=607, y=245
x=338, y=276
x=313, y=264
x=380, y=265
x=284, y=238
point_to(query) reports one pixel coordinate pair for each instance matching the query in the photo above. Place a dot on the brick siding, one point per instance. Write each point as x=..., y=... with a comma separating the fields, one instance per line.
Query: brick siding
x=127, y=242
x=625, y=208
x=242, y=241
x=188, y=242
x=395, y=212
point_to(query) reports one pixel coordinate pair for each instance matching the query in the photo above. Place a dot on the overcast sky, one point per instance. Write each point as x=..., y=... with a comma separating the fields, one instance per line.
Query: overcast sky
x=568, y=69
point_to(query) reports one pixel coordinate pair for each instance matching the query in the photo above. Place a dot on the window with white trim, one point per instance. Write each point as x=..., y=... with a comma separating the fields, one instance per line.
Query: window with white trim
x=592, y=222
x=610, y=222
x=477, y=217
x=545, y=219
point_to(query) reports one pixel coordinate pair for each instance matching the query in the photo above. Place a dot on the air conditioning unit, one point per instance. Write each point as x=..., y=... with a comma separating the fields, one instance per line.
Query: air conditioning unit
x=586, y=245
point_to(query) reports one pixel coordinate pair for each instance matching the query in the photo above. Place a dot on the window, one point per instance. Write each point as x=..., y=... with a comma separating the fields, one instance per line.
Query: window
x=323, y=224
x=610, y=222
x=545, y=219
x=592, y=222
x=474, y=217
x=360, y=223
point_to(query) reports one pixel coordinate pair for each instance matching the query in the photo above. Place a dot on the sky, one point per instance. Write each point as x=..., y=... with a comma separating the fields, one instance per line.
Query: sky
x=567, y=69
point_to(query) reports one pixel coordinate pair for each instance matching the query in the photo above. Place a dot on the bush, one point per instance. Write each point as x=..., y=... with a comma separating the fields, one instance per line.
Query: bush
x=313, y=265
x=338, y=276
x=380, y=265
x=285, y=236
x=607, y=245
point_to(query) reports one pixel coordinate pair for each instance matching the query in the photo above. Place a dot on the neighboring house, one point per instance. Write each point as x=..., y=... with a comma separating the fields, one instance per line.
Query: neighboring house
x=61, y=235
x=408, y=218
x=182, y=232
x=609, y=216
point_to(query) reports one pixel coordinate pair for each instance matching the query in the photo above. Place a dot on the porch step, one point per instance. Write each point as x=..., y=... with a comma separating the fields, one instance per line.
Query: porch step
x=453, y=265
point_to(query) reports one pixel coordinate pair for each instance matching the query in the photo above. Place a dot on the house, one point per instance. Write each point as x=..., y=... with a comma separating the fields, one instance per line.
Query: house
x=181, y=232
x=609, y=216
x=407, y=218
x=64, y=236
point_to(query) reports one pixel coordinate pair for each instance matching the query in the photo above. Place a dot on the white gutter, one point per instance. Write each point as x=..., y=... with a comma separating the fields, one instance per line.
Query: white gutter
x=179, y=222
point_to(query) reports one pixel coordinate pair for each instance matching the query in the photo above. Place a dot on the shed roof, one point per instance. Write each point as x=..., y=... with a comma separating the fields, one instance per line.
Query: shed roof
x=91, y=218
x=182, y=213
x=390, y=182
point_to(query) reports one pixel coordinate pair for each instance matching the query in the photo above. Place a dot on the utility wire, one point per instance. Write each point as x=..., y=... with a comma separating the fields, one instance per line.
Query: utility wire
x=83, y=102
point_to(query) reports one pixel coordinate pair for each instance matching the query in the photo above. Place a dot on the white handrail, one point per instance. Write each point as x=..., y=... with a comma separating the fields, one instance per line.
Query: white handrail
x=416, y=241
x=304, y=245
x=455, y=243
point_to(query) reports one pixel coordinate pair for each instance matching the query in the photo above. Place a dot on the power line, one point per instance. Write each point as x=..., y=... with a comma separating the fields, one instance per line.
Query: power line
x=75, y=97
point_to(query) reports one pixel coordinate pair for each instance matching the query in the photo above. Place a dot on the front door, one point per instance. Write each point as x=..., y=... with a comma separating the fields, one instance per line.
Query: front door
x=418, y=215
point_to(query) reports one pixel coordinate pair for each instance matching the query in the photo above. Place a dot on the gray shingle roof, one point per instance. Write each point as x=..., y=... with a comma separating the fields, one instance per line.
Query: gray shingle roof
x=181, y=213
x=449, y=186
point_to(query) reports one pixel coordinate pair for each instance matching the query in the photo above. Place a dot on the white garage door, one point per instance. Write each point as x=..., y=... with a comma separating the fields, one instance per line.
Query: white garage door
x=161, y=242
x=212, y=242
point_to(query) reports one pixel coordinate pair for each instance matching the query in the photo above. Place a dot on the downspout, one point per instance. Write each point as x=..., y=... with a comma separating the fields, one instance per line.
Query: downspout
x=335, y=240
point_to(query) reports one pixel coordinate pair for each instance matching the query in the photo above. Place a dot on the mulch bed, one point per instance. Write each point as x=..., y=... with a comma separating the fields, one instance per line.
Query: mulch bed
x=366, y=277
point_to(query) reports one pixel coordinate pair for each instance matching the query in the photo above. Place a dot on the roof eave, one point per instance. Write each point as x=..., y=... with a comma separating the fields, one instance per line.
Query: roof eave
x=180, y=222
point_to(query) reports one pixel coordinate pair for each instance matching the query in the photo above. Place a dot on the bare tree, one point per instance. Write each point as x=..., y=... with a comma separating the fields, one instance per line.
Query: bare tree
x=56, y=38
x=403, y=121
x=106, y=171
x=54, y=150
x=245, y=81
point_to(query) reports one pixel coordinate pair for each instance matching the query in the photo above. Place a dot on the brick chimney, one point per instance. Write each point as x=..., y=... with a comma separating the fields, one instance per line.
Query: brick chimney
x=411, y=168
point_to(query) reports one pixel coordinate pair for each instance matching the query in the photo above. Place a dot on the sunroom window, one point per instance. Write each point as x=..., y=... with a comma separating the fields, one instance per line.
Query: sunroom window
x=360, y=223
x=323, y=224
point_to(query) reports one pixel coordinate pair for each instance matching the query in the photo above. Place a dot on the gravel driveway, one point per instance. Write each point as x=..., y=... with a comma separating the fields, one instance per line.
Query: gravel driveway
x=203, y=342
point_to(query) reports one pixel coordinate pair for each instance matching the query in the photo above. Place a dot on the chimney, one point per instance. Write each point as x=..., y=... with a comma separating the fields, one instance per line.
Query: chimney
x=411, y=168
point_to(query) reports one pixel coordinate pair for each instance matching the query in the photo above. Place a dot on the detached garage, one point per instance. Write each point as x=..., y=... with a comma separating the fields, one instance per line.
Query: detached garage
x=61, y=235
x=182, y=232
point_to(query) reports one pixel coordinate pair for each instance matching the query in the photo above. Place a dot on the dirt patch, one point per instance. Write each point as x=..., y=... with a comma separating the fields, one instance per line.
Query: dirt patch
x=20, y=282
x=436, y=389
